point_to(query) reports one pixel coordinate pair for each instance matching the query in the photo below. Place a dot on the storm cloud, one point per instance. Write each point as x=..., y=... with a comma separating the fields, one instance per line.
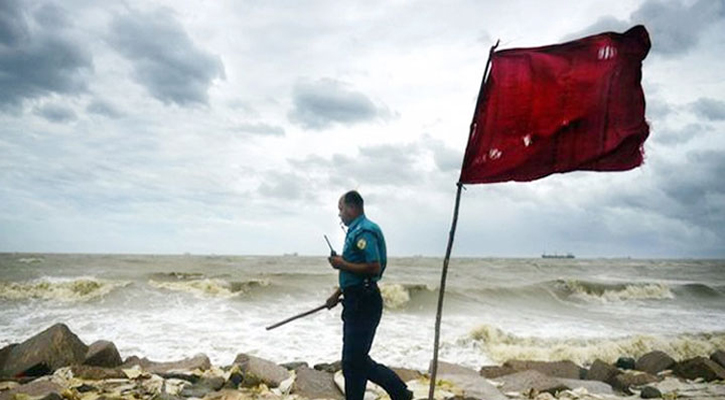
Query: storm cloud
x=320, y=104
x=675, y=27
x=165, y=59
x=39, y=54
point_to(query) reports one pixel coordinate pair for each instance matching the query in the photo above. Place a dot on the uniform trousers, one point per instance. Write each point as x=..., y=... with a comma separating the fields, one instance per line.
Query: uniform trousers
x=363, y=307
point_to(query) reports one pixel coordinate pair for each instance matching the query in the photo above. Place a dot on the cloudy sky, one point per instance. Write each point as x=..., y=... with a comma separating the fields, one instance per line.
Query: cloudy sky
x=232, y=127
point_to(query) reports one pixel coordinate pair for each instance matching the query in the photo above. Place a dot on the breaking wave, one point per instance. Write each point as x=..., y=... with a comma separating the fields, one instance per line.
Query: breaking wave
x=399, y=296
x=65, y=290
x=501, y=346
x=591, y=291
x=210, y=287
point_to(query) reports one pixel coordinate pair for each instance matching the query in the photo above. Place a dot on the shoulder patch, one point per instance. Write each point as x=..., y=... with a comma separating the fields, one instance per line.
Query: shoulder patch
x=361, y=244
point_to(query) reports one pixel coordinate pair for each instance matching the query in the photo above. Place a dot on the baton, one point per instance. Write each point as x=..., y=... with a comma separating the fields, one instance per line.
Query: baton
x=304, y=314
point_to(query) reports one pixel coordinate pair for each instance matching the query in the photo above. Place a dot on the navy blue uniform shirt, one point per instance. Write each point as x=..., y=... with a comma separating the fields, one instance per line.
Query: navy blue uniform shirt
x=364, y=243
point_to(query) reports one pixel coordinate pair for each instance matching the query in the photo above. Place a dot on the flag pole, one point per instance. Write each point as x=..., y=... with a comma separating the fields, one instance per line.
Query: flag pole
x=451, y=236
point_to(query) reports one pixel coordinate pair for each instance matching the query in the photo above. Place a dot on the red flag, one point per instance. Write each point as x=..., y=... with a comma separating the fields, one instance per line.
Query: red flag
x=572, y=106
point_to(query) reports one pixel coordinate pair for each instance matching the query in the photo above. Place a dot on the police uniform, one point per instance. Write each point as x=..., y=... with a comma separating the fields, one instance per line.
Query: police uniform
x=362, y=309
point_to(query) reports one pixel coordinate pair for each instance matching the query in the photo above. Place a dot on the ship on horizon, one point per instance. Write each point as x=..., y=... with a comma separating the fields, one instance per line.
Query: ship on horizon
x=556, y=255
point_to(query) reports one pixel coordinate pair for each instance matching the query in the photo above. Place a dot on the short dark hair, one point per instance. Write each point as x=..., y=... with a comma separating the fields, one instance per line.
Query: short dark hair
x=353, y=198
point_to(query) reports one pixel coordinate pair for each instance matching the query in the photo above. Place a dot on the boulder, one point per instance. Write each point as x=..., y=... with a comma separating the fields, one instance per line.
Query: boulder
x=199, y=361
x=92, y=373
x=407, y=375
x=494, y=371
x=531, y=380
x=37, y=389
x=650, y=392
x=561, y=369
x=103, y=354
x=4, y=352
x=593, y=387
x=314, y=384
x=601, y=371
x=256, y=370
x=700, y=367
x=468, y=380
x=45, y=352
x=654, y=362
x=625, y=363
x=718, y=357
x=624, y=381
x=203, y=387
x=291, y=366
x=331, y=368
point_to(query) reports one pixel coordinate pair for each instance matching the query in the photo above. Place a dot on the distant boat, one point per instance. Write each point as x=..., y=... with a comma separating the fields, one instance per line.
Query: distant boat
x=555, y=255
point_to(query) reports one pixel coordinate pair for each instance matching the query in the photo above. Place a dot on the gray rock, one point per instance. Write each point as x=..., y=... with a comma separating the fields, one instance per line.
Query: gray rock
x=625, y=363
x=407, y=375
x=700, y=367
x=649, y=392
x=468, y=380
x=203, y=387
x=623, y=382
x=593, y=387
x=654, y=362
x=291, y=366
x=495, y=371
x=199, y=361
x=532, y=380
x=257, y=370
x=331, y=368
x=45, y=352
x=601, y=371
x=37, y=388
x=559, y=369
x=96, y=373
x=4, y=352
x=718, y=357
x=103, y=354
x=314, y=384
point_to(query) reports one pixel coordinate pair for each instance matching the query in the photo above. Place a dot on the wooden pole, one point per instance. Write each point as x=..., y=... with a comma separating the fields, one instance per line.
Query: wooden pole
x=298, y=316
x=442, y=289
x=451, y=236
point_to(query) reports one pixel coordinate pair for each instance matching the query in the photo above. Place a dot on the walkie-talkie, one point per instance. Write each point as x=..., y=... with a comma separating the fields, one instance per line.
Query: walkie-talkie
x=333, y=253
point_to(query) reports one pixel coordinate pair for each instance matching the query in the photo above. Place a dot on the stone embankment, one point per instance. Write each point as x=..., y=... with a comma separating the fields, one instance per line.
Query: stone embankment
x=56, y=365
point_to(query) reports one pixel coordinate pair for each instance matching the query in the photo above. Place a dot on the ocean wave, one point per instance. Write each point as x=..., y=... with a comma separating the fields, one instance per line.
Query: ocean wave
x=31, y=260
x=398, y=296
x=501, y=346
x=211, y=287
x=65, y=290
x=176, y=276
x=591, y=291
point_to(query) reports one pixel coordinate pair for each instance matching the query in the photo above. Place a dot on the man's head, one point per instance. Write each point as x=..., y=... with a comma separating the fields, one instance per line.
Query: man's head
x=351, y=206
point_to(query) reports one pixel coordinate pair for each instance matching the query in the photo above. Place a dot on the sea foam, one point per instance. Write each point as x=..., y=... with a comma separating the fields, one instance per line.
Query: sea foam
x=501, y=346
x=210, y=287
x=65, y=290
x=589, y=291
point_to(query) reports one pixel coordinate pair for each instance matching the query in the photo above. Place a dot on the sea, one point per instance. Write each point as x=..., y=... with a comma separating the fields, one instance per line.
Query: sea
x=170, y=307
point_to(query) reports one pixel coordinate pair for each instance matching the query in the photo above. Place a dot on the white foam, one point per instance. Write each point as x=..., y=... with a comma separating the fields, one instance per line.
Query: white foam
x=65, y=290
x=210, y=287
x=395, y=296
x=500, y=346
x=652, y=291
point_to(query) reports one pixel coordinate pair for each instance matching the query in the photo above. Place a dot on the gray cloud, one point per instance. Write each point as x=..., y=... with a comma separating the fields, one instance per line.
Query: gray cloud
x=711, y=109
x=165, y=60
x=56, y=113
x=39, y=55
x=286, y=186
x=260, y=129
x=675, y=26
x=318, y=105
x=677, y=136
x=104, y=108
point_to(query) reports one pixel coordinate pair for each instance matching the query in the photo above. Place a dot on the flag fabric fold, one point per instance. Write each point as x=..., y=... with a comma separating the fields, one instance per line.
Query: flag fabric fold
x=553, y=109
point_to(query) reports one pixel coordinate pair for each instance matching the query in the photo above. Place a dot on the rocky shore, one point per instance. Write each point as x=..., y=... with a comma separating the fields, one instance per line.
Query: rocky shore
x=55, y=365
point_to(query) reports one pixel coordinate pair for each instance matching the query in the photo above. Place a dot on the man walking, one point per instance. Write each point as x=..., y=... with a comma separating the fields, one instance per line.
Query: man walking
x=361, y=265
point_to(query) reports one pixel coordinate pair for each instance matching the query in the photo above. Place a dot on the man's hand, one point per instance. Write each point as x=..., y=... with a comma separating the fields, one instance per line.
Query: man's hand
x=336, y=262
x=334, y=299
